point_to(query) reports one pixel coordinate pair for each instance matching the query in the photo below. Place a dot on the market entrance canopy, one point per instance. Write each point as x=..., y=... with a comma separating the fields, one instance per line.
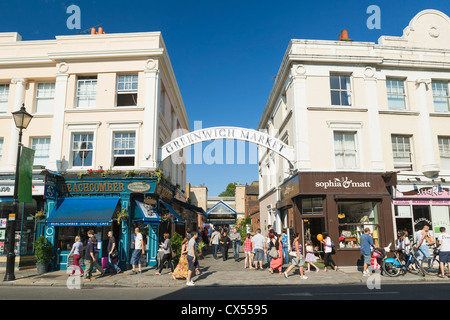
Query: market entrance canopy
x=221, y=213
x=83, y=211
x=231, y=133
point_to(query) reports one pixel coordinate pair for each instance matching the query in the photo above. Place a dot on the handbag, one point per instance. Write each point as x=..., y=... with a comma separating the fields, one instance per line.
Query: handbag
x=273, y=253
x=114, y=254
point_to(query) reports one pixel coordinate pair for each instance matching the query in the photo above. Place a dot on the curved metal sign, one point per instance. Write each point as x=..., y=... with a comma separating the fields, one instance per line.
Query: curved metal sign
x=233, y=133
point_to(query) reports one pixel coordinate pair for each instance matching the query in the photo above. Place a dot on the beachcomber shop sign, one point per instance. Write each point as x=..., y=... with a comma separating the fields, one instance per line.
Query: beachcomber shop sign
x=106, y=187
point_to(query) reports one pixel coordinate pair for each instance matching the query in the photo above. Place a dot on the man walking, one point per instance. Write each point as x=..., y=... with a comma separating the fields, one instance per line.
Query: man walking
x=366, y=243
x=258, y=246
x=192, y=257
x=214, y=242
x=235, y=242
x=90, y=260
x=111, y=248
x=138, y=251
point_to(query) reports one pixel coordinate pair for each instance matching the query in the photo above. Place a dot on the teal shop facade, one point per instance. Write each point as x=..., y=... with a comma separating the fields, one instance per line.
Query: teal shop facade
x=102, y=204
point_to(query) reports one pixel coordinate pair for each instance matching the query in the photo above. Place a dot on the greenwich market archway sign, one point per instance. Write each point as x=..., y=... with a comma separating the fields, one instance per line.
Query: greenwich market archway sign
x=233, y=133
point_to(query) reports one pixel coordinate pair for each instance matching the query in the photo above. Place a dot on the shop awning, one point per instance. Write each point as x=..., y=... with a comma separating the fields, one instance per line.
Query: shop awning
x=83, y=211
x=190, y=206
x=146, y=213
x=177, y=217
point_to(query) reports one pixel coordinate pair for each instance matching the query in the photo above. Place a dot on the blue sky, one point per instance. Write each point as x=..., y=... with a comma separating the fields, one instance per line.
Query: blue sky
x=225, y=54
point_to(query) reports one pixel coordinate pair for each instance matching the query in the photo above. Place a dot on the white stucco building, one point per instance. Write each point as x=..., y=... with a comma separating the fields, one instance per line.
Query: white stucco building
x=350, y=109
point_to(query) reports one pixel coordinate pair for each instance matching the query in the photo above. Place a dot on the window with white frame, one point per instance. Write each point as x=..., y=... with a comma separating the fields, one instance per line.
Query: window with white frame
x=341, y=93
x=86, y=91
x=444, y=152
x=162, y=101
x=127, y=88
x=41, y=146
x=402, y=152
x=4, y=93
x=345, y=150
x=124, y=150
x=82, y=149
x=45, y=97
x=440, y=96
x=396, y=94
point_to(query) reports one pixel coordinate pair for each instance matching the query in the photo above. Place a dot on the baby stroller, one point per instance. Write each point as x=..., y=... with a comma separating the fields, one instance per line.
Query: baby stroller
x=377, y=258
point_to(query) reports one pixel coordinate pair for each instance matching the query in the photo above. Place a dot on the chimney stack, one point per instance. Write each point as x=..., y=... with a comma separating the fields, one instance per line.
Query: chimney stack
x=344, y=36
x=100, y=31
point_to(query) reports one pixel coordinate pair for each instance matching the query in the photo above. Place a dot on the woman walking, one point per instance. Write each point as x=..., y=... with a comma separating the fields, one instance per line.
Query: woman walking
x=328, y=260
x=182, y=268
x=76, y=248
x=225, y=243
x=167, y=254
x=297, y=259
x=248, y=251
x=275, y=246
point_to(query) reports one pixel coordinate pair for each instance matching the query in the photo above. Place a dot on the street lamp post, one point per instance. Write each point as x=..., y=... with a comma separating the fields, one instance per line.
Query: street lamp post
x=21, y=119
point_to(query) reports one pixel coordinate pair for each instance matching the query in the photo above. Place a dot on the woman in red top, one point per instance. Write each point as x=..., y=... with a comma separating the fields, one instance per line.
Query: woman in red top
x=248, y=252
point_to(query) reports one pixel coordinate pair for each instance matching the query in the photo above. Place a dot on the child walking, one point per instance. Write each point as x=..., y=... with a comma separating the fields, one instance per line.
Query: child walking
x=310, y=256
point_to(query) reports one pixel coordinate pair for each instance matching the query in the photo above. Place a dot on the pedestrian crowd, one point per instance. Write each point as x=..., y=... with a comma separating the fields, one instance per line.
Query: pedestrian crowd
x=275, y=249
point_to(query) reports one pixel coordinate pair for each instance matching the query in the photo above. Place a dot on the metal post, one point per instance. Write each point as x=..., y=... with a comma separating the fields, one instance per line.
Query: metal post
x=11, y=258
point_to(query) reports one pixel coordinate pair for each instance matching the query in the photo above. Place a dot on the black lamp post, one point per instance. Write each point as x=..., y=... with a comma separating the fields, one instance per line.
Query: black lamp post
x=22, y=119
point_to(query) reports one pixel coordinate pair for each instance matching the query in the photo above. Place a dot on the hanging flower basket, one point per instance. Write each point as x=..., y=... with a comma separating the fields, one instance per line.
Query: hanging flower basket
x=122, y=215
x=39, y=215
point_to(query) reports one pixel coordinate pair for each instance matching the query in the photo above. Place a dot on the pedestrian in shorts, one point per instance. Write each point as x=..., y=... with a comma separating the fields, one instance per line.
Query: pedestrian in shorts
x=192, y=257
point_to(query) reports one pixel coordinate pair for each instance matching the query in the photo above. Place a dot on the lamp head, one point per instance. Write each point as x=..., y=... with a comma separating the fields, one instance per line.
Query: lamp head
x=22, y=118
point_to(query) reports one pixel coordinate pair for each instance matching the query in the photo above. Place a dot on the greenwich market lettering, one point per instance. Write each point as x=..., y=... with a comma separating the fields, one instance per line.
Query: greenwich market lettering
x=342, y=183
x=236, y=133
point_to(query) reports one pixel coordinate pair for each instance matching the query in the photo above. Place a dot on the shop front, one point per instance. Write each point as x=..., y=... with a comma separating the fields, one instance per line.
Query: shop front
x=342, y=204
x=416, y=205
x=103, y=204
x=27, y=221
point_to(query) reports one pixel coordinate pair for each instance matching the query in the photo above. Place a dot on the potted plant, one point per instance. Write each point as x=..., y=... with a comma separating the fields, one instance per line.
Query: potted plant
x=43, y=252
x=201, y=245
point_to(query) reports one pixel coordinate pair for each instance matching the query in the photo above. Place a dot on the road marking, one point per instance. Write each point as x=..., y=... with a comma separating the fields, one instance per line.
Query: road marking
x=358, y=293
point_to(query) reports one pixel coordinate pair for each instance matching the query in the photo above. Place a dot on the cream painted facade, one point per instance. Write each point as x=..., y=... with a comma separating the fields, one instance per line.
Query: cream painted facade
x=391, y=94
x=118, y=92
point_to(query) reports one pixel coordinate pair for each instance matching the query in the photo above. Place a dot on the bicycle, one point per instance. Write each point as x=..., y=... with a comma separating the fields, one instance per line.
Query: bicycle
x=393, y=267
x=432, y=265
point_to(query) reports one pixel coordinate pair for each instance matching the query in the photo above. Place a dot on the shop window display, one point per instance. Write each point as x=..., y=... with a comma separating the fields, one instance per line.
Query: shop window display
x=354, y=217
x=25, y=225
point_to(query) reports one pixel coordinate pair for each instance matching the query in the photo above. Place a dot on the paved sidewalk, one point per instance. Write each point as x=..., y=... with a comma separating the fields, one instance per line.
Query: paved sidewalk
x=213, y=273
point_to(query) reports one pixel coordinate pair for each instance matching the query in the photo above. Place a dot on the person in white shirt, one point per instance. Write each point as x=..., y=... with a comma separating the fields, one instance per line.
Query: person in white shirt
x=258, y=247
x=214, y=242
x=138, y=250
x=444, y=251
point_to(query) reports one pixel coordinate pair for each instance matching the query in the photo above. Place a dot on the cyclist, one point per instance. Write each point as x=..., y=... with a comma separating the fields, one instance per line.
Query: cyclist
x=444, y=251
x=421, y=244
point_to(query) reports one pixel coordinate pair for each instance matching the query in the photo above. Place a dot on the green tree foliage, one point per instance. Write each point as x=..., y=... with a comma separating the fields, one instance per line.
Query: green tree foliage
x=230, y=191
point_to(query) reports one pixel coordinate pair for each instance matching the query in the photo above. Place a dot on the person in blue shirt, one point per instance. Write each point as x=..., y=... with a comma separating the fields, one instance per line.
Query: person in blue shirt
x=366, y=242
